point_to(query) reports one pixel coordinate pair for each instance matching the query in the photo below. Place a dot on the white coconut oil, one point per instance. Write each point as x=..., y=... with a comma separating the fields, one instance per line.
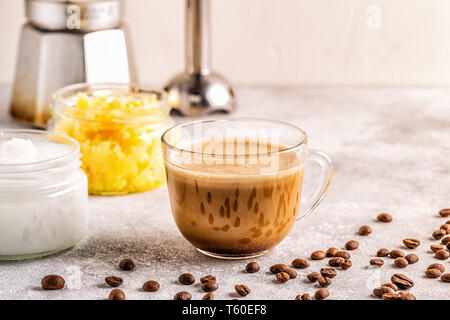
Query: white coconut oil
x=43, y=194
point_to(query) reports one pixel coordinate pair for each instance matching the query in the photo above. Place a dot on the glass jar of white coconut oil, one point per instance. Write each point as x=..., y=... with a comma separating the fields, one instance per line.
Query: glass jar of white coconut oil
x=43, y=194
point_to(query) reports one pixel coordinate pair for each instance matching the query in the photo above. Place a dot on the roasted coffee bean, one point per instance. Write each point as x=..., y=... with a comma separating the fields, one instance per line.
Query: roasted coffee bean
x=208, y=278
x=322, y=294
x=283, y=277
x=445, y=212
x=433, y=273
x=442, y=254
x=291, y=272
x=405, y=295
x=384, y=217
x=252, y=267
x=151, y=286
x=382, y=290
x=346, y=264
x=277, y=268
x=448, y=246
x=436, y=247
x=445, y=241
x=183, y=295
x=210, y=286
x=313, y=276
x=342, y=254
x=300, y=263
x=242, y=290
x=446, y=227
x=365, y=230
x=401, y=262
x=318, y=255
x=376, y=262
x=328, y=272
x=117, y=294
x=411, y=243
x=412, y=258
x=52, y=282
x=126, y=264
x=304, y=296
x=352, y=245
x=402, y=281
x=390, y=296
x=324, y=281
x=331, y=252
x=208, y=296
x=114, y=281
x=445, y=277
x=438, y=234
x=396, y=254
x=383, y=252
x=336, y=261
x=438, y=266
x=390, y=285
x=186, y=278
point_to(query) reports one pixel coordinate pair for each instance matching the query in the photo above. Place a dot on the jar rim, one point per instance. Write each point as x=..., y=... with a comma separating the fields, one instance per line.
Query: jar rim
x=59, y=102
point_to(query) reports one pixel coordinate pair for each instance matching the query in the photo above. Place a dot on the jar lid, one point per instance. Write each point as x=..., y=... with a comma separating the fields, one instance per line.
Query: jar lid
x=75, y=15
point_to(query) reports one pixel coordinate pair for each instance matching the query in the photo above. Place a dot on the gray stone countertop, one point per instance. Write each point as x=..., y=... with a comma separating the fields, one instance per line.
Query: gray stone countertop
x=391, y=153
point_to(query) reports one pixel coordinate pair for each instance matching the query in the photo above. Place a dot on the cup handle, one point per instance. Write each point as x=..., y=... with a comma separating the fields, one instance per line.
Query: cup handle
x=317, y=196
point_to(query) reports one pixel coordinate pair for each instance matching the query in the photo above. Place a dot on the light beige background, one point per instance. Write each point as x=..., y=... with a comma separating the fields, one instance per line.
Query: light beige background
x=285, y=42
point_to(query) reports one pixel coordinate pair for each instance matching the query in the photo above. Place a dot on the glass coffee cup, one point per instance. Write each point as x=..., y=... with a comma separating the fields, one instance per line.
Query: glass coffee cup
x=235, y=186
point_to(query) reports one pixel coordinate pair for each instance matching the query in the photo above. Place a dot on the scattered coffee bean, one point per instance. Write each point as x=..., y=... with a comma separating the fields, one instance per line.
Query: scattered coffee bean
x=346, y=264
x=382, y=290
x=283, y=277
x=304, y=296
x=52, y=282
x=331, y=252
x=126, y=264
x=210, y=286
x=446, y=227
x=445, y=212
x=436, y=247
x=291, y=272
x=208, y=296
x=401, y=262
x=352, y=245
x=445, y=241
x=114, y=281
x=208, y=278
x=433, y=273
x=324, y=281
x=322, y=294
x=365, y=230
x=186, y=278
x=442, y=254
x=117, y=294
x=183, y=295
x=328, y=272
x=438, y=266
x=318, y=255
x=445, y=277
x=390, y=296
x=151, y=286
x=313, y=276
x=396, y=254
x=242, y=290
x=277, y=268
x=411, y=243
x=402, y=281
x=252, y=267
x=300, y=263
x=448, y=246
x=390, y=285
x=376, y=262
x=438, y=234
x=384, y=217
x=336, y=261
x=383, y=252
x=342, y=254
x=412, y=258
x=405, y=295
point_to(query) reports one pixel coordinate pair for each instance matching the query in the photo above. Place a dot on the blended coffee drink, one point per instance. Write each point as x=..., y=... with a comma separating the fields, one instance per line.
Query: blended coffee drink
x=236, y=205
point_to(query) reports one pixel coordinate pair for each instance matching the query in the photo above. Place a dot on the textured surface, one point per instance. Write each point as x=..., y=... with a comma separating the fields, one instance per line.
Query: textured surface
x=391, y=150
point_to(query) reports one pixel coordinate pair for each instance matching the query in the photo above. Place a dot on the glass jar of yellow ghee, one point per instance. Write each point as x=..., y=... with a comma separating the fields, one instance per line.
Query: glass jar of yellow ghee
x=119, y=128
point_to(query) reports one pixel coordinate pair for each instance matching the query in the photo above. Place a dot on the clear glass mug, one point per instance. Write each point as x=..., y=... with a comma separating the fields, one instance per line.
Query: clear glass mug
x=235, y=186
